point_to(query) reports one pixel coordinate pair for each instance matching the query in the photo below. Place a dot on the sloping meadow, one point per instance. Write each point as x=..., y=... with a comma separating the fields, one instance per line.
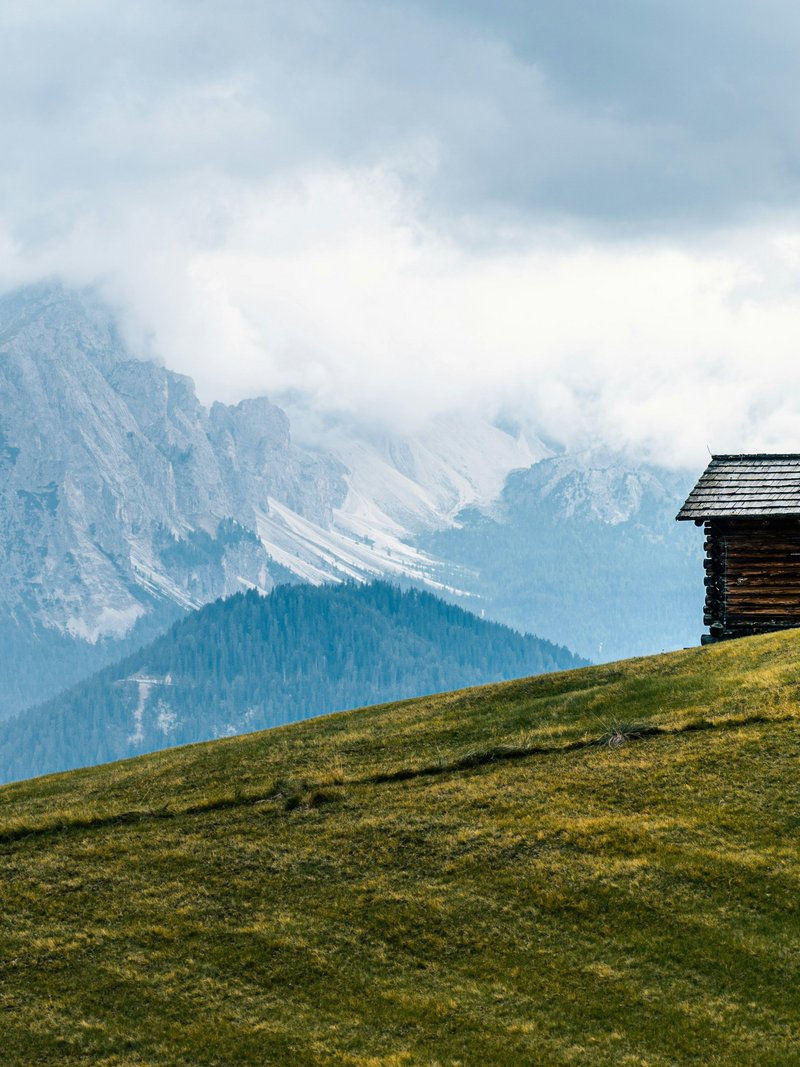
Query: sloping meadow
x=598, y=866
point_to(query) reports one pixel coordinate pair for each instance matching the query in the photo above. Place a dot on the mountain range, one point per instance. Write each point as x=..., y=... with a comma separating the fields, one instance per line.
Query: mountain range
x=125, y=502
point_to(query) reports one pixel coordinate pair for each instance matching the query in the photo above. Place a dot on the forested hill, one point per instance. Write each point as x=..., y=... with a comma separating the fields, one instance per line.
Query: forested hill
x=251, y=661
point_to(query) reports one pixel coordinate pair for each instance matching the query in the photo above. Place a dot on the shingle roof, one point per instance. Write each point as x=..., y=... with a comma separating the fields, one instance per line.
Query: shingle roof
x=742, y=486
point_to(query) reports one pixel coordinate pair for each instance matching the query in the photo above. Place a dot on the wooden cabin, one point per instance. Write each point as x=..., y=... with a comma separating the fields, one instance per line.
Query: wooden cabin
x=750, y=509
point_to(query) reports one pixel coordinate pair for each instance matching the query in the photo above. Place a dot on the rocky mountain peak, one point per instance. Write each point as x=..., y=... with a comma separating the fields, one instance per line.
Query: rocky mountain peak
x=120, y=489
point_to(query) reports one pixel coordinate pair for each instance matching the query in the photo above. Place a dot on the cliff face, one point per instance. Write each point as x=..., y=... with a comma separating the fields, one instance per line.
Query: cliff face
x=119, y=489
x=123, y=501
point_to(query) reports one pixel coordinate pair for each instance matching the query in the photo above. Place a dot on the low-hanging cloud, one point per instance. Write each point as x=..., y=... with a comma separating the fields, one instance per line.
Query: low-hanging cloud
x=406, y=208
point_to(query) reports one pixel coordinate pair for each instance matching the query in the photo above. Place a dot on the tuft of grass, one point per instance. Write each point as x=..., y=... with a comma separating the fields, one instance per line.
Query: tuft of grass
x=294, y=795
x=620, y=732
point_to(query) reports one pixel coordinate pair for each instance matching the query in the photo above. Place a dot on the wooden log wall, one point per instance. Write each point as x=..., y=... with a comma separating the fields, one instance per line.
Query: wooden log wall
x=714, y=609
x=752, y=576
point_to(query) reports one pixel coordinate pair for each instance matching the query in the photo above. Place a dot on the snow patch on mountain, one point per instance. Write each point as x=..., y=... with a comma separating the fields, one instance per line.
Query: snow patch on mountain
x=402, y=485
x=318, y=555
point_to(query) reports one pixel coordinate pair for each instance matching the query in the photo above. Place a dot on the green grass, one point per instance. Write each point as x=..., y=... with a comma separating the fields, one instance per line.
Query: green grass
x=596, y=867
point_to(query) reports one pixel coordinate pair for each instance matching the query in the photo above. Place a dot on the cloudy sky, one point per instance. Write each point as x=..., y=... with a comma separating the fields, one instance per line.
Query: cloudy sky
x=586, y=213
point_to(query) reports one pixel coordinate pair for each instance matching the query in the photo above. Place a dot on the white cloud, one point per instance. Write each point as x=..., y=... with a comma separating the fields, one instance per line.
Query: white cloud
x=402, y=213
x=333, y=285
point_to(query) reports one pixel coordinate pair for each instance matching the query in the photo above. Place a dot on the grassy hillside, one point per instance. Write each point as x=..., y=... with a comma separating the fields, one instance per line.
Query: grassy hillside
x=509, y=875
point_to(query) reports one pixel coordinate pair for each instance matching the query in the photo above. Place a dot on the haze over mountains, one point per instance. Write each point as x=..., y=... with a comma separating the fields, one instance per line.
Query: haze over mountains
x=125, y=502
x=584, y=548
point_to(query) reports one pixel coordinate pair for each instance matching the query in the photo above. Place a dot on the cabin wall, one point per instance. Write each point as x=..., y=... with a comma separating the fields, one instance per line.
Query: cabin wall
x=752, y=576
